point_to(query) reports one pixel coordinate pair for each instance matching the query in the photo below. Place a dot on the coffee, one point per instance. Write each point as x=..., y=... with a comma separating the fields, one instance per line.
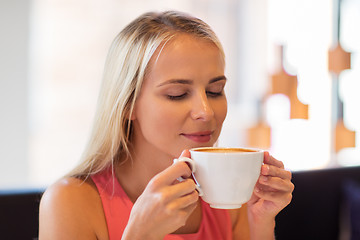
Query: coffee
x=223, y=150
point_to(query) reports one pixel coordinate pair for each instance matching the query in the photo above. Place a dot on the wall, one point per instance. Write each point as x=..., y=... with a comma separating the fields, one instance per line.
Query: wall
x=14, y=25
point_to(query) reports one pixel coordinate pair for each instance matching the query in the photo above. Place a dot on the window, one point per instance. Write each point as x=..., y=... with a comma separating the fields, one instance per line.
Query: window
x=67, y=43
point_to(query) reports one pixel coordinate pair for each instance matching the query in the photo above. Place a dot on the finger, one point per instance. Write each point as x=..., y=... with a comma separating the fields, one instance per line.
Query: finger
x=276, y=183
x=271, y=170
x=185, y=202
x=182, y=208
x=182, y=188
x=185, y=153
x=274, y=196
x=268, y=159
x=170, y=174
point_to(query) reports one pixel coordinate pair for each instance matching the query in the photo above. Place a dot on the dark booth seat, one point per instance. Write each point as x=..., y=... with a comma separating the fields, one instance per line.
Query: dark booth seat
x=19, y=214
x=316, y=211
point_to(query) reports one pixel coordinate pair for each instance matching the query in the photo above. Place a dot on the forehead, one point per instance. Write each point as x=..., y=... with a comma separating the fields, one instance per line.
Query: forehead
x=186, y=54
x=179, y=43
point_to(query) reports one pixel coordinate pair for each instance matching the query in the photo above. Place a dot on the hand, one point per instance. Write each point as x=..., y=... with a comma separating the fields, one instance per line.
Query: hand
x=165, y=204
x=272, y=193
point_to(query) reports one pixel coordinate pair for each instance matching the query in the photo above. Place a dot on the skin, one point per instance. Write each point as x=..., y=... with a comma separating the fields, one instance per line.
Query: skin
x=181, y=105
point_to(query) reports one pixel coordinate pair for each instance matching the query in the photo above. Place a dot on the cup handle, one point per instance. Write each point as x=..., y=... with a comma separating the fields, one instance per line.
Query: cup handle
x=192, y=166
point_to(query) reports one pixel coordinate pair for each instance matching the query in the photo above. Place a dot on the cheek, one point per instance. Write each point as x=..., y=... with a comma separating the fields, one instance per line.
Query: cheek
x=170, y=116
x=160, y=118
x=220, y=110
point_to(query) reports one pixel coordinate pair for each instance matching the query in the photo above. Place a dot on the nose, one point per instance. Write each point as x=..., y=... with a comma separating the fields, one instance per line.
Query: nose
x=201, y=108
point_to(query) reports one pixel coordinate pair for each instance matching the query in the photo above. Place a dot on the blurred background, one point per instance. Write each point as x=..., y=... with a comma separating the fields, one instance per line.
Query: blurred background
x=293, y=68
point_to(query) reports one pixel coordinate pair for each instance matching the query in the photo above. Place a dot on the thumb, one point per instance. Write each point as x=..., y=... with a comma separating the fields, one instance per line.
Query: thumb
x=185, y=153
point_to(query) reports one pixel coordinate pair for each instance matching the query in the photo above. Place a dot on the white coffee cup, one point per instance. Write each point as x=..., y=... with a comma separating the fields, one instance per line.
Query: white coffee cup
x=225, y=177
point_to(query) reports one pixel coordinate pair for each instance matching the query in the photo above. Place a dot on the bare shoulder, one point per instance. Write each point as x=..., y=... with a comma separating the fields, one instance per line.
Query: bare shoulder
x=71, y=209
x=70, y=191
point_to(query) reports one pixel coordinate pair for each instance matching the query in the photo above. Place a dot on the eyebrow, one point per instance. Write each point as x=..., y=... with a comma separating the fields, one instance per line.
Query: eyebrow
x=187, y=81
x=219, y=78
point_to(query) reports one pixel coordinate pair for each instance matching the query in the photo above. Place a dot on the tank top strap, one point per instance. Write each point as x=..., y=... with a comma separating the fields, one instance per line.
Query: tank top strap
x=115, y=202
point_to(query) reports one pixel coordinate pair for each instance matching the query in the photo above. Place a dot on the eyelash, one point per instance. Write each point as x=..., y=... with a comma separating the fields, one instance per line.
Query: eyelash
x=182, y=96
x=178, y=97
x=215, y=94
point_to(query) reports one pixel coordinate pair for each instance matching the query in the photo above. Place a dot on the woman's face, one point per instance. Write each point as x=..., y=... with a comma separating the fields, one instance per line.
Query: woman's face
x=182, y=103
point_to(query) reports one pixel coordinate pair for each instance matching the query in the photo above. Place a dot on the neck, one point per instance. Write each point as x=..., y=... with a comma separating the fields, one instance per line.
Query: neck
x=135, y=173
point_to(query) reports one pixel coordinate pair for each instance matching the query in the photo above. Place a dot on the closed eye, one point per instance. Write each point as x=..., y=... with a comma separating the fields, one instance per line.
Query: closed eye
x=215, y=94
x=177, y=97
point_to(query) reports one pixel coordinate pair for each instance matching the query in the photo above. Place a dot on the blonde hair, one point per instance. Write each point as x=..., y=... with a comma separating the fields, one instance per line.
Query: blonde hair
x=124, y=72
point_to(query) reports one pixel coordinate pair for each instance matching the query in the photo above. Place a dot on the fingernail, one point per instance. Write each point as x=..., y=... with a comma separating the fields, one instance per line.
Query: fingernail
x=257, y=189
x=266, y=169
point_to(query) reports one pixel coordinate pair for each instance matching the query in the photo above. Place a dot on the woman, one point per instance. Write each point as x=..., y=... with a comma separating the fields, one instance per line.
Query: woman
x=162, y=93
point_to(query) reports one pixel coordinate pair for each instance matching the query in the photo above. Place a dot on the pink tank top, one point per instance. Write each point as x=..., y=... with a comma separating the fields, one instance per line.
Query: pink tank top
x=215, y=223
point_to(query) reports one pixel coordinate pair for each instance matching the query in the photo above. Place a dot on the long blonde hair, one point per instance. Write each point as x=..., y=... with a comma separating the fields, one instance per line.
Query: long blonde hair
x=124, y=72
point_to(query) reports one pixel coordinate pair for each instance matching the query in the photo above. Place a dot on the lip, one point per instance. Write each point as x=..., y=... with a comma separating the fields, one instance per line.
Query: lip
x=200, y=137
